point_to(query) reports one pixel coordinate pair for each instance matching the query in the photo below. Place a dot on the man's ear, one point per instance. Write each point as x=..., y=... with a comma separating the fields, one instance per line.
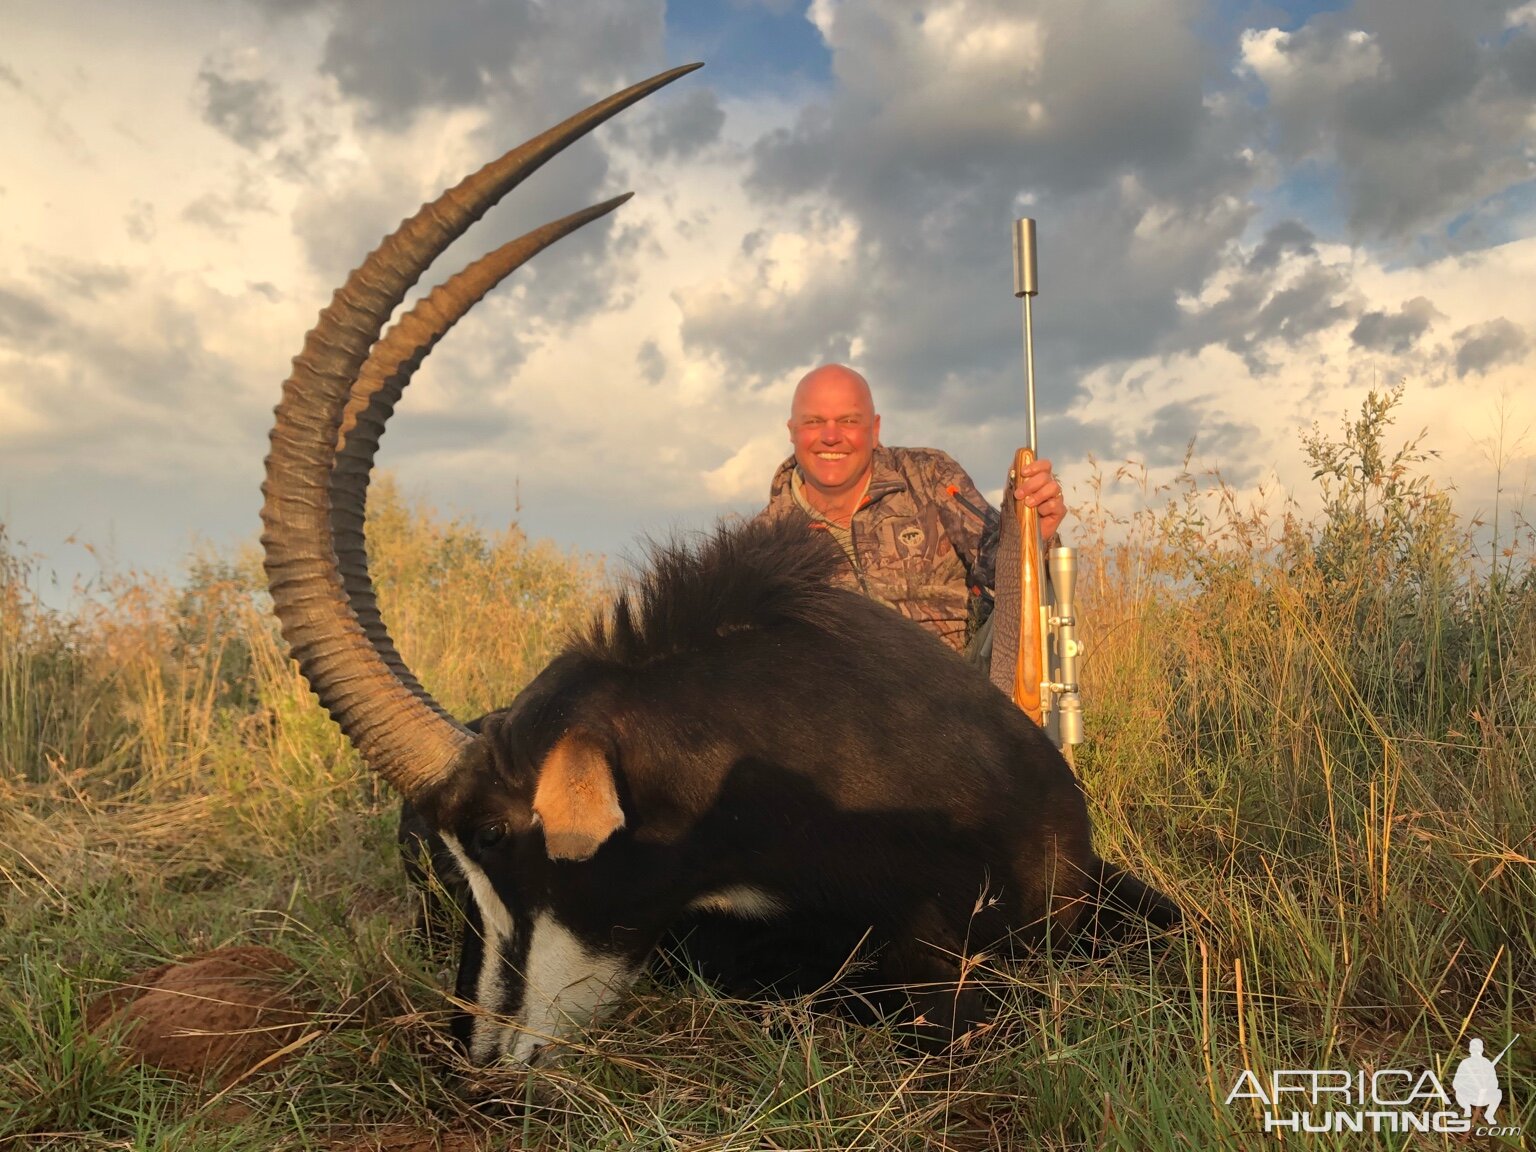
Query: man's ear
x=576, y=800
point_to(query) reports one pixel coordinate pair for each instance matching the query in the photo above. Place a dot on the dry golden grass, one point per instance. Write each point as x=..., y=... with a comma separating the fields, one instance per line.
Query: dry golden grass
x=1318, y=737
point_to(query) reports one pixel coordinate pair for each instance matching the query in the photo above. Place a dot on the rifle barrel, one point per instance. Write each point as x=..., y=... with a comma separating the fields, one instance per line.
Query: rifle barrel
x=1026, y=283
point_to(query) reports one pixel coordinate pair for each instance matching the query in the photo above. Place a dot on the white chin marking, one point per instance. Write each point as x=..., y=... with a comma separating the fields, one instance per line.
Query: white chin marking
x=739, y=900
x=563, y=987
x=488, y=1037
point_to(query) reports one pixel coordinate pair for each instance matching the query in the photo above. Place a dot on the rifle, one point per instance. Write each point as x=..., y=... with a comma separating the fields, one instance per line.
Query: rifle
x=1506, y=1048
x=1035, y=645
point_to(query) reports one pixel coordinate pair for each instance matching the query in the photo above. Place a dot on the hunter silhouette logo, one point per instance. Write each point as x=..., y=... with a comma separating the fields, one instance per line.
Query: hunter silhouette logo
x=1476, y=1082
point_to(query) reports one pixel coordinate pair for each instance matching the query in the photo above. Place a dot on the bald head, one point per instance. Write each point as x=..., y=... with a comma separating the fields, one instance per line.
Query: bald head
x=834, y=384
x=834, y=428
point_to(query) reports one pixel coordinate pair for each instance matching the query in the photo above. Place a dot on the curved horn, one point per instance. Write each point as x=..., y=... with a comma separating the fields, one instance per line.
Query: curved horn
x=380, y=384
x=399, y=734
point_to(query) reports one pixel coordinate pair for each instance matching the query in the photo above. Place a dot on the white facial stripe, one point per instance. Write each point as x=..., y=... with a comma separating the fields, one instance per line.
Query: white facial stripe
x=564, y=985
x=488, y=1038
x=739, y=900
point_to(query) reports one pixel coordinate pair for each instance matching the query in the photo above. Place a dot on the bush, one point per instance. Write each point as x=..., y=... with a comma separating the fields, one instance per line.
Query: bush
x=1342, y=716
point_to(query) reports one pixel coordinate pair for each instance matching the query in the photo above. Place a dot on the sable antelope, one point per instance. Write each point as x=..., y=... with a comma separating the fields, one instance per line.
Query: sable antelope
x=733, y=737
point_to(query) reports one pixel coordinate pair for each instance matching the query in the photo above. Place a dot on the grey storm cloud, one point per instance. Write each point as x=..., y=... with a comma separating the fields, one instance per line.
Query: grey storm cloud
x=1289, y=236
x=146, y=385
x=1175, y=427
x=139, y=222
x=286, y=7
x=1423, y=106
x=1111, y=89
x=1485, y=346
x=684, y=126
x=1096, y=111
x=340, y=225
x=652, y=362
x=399, y=56
x=761, y=343
x=1518, y=62
x=27, y=322
x=528, y=66
x=1395, y=332
x=220, y=212
x=247, y=110
x=762, y=331
x=1317, y=301
x=1141, y=152
x=1260, y=305
x=396, y=58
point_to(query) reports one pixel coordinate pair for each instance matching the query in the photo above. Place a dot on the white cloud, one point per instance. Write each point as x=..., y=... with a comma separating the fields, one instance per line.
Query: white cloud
x=1323, y=377
x=1422, y=108
x=743, y=478
x=166, y=242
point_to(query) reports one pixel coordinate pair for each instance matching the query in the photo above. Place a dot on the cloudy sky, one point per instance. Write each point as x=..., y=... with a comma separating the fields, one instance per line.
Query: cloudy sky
x=1249, y=214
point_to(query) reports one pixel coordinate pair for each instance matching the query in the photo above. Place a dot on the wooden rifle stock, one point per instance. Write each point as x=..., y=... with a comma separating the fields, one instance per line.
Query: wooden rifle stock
x=1029, y=668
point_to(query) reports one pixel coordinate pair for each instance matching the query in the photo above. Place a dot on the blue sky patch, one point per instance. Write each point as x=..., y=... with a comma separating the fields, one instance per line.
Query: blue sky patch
x=751, y=47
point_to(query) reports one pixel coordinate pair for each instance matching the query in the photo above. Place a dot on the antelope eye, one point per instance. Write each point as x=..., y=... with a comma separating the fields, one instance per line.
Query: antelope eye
x=489, y=835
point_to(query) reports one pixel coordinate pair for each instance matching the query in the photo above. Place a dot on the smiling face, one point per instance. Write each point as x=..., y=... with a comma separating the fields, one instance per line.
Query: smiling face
x=834, y=428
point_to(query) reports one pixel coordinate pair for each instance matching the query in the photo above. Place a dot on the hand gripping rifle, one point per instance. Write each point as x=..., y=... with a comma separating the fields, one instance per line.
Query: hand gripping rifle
x=1035, y=646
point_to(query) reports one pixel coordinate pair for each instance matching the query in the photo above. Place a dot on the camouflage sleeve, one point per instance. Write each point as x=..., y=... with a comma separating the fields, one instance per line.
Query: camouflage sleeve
x=781, y=498
x=970, y=522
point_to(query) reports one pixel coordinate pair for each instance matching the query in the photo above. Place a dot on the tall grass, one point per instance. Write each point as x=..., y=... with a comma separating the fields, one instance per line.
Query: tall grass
x=1325, y=731
x=1316, y=734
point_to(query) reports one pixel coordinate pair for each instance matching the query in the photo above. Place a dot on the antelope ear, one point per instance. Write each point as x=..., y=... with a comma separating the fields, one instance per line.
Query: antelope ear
x=575, y=799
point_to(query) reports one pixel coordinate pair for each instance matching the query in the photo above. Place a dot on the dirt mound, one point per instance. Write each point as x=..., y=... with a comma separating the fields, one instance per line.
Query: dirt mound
x=216, y=1015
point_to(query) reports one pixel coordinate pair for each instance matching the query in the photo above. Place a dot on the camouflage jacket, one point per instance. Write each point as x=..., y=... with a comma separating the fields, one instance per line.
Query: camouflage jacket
x=917, y=539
